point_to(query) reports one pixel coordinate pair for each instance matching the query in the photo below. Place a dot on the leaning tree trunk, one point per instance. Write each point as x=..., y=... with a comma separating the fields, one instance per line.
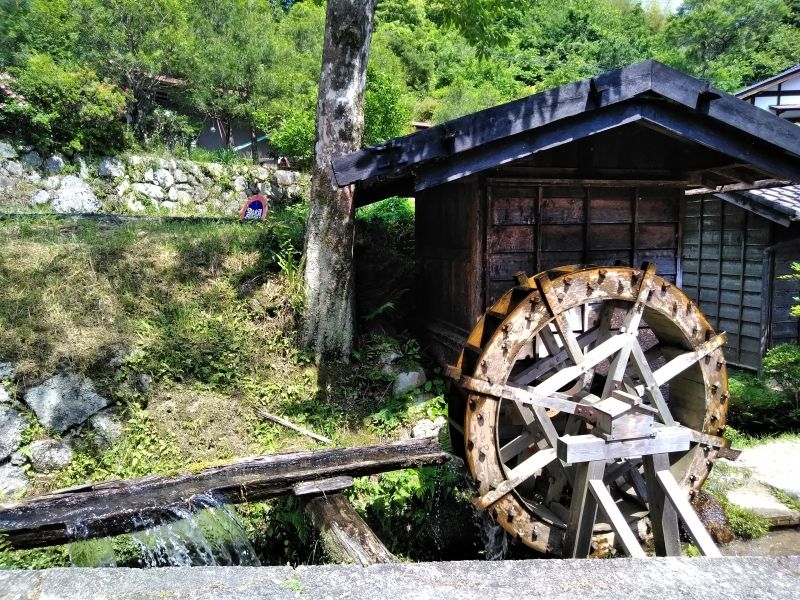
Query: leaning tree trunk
x=330, y=299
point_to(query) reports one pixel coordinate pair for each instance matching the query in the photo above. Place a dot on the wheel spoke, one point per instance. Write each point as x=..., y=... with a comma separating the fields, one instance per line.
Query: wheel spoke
x=541, y=367
x=651, y=385
x=682, y=362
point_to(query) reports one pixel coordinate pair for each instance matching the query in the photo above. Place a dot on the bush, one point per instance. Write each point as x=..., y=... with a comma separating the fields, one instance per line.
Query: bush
x=168, y=127
x=295, y=138
x=65, y=110
x=768, y=404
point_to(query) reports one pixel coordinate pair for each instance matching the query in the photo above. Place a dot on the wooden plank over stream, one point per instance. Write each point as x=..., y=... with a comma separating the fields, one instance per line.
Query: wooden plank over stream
x=114, y=507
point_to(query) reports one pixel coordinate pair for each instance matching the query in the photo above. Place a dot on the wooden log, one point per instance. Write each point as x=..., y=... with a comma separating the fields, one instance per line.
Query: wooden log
x=344, y=535
x=114, y=507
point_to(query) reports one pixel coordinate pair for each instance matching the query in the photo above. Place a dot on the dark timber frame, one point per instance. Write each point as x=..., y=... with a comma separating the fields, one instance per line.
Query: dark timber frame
x=593, y=171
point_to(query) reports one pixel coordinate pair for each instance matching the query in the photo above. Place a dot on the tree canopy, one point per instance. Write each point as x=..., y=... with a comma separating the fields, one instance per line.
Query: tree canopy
x=258, y=61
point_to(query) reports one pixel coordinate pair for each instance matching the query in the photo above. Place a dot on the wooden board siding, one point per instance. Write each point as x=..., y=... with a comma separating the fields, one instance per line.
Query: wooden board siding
x=783, y=326
x=723, y=270
x=449, y=250
x=534, y=227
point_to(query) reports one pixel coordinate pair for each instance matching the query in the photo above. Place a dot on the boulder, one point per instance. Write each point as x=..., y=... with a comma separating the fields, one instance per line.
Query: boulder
x=14, y=168
x=6, y=182
x=286, y=178
x=7, y=150
x=75, y=196
x=123, y=187
x=64, y=400
x=150, y=190
x=148, y=176
x=12, y=424
x=169, y=205
x=83, y=169
x=52, y=182
x=54, y=164
x=39, y=198
x=215, y=170
x=183, y=197
x=427, y=428
x=12, y=481
x=180, y=176
x=33, y=178
x=164, y=178
x=7, y=370
x=50, y=455
x=4, y=397
x=107, y=427
x=111, y=166
x=18, y=458
x=240, y=184
x=409, y=380
x=134, y=205
x=33, y=159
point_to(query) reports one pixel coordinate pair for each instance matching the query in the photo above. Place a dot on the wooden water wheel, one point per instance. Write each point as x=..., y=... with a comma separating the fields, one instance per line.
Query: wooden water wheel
x=549, y=364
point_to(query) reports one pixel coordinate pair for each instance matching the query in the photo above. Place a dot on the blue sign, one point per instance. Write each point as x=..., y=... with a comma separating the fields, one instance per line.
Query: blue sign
x=255, y=209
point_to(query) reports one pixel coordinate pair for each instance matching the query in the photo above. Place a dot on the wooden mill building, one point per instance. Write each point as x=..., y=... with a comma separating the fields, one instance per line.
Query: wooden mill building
x=594, y=172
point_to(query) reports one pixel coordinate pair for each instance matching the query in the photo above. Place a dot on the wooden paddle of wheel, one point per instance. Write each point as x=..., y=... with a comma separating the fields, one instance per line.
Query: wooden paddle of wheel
x=552, y=421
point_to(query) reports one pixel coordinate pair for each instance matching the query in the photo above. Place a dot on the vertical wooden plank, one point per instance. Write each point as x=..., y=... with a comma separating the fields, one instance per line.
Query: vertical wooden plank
x=743, y=269
x=767, y=277
x=538, y=232
x=582, y=510
x=719, y=261
x=679, y=247
x=666, y=537
x=484, y=202
x=587, y=220
x=700, y=246
x=635, y=226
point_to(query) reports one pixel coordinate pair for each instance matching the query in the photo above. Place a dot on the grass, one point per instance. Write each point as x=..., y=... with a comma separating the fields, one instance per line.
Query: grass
x=209, y=310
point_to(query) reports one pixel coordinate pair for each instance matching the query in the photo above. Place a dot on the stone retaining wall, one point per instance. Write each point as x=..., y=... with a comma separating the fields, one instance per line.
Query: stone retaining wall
x=134, y=184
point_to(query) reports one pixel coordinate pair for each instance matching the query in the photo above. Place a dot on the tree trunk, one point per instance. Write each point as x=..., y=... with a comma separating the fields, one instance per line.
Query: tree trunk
x=328, y=326
x=114, y=507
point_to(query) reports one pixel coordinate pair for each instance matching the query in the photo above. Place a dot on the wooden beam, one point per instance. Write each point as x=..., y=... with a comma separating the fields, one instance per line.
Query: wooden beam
x=762, y=209
x=581, y=448
x=116, y=507
x=344, y=535
x=739, y=187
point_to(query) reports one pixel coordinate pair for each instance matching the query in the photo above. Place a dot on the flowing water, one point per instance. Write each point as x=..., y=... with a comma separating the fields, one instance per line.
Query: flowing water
x=212, y=536
x=495, y=540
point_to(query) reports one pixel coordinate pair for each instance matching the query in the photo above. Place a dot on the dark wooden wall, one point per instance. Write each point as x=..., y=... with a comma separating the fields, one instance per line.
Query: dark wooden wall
x=782, y=326
x=533, y=227
x=729, y=267
x=449, y=250
x=474, y=234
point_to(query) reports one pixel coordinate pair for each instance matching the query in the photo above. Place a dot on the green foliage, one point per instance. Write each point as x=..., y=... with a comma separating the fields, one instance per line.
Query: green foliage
x=768, y=404
x=65, y=110
x=745, y=523
x=794, y=275
x=386, y=114
x=295, y=136
x=403, y=501
x=163, y=126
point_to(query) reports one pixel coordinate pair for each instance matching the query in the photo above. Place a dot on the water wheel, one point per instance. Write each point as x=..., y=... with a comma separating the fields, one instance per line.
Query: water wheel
x=535, y=367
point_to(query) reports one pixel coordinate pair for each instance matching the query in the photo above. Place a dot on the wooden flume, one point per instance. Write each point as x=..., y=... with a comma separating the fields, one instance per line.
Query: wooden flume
x=589, y=386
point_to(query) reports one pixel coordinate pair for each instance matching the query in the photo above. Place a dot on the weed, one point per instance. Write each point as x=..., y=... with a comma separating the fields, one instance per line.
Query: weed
x=745, y=523
x=786, y=499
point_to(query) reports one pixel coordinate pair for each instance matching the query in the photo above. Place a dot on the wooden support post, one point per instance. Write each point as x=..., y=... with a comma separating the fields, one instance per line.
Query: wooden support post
x=678, y=498
x=662, y=514
x=582, y=510
x=629, y=541
x=345, y=537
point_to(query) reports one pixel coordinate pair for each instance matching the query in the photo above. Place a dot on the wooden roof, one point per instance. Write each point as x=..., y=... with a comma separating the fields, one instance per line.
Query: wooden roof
x=710, y=138
x=765, y=84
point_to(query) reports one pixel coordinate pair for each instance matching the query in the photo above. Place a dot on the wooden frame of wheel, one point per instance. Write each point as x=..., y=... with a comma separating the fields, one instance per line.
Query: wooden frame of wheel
x=494, y=413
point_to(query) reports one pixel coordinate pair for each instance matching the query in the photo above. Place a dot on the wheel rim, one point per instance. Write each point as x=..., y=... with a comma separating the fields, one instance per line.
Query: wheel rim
x=502, y=437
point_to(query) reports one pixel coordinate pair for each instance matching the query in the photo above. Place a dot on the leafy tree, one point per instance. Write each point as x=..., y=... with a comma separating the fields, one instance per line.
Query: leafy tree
x=732, y=42
x=64, y=110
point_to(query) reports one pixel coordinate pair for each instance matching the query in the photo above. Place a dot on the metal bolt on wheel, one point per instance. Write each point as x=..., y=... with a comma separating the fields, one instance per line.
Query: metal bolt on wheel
x=541, y=358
